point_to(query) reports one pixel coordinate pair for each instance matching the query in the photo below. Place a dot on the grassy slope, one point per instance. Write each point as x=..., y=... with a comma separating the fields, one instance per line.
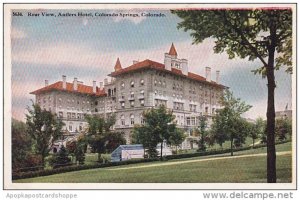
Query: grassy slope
x=231, y=170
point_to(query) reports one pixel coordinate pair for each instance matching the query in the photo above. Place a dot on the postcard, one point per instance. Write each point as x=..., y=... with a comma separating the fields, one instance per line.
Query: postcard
x=150, y=96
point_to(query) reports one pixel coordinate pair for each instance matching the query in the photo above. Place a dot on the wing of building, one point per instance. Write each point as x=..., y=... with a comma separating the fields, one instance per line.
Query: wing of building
x=133, y=89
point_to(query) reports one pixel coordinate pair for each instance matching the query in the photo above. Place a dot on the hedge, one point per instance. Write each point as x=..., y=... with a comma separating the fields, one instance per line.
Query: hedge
x=47, y=172
x=220, y=151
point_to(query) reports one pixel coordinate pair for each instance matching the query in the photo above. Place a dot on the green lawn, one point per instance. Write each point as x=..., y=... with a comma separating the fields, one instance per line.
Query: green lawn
x=242, y=170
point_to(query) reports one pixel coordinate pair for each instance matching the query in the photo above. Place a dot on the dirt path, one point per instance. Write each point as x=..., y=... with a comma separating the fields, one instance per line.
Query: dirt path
x=200, y=160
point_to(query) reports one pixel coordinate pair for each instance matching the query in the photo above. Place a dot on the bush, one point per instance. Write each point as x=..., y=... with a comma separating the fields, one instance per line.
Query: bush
x=61, y=159
x=47, y=172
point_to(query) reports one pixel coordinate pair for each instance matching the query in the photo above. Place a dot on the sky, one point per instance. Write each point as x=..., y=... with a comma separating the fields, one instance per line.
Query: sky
x=45, y=48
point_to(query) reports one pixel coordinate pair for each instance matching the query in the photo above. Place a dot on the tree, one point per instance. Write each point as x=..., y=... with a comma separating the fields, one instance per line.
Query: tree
x=254, y=34
x=177, y=138
x=283, y=128
x=158, y=128
x=44, y=128
x=202, y=132
x=99, y=135
x=228, y=121
x=142, y=135
x=260, y=130
x=61, y=159
x=113, y=140
x=20, y=144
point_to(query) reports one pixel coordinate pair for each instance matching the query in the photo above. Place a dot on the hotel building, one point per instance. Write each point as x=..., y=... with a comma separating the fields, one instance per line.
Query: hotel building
x=133, y=89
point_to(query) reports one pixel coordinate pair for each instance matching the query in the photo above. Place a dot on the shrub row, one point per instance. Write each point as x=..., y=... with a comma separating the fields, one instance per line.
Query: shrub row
x=47, y=172
x=219, y=151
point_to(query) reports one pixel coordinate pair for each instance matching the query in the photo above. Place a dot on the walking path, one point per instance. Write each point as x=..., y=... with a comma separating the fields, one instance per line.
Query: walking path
x=200, y=160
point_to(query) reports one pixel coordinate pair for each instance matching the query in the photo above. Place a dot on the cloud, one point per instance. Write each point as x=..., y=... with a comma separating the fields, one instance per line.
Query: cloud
x=17, y=33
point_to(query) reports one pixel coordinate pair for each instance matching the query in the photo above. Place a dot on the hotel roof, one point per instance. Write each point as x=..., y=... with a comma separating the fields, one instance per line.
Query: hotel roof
x=149, y=64
x=81, y=89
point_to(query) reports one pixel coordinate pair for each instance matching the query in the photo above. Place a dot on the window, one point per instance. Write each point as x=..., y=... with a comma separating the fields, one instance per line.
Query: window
x=132, y=84
x=96, y=103
x=142, y=119
x=188, y=121
x=164, y=83
x=155, y=82
x=68, y=115
x=78, y=116
x=132, y=103
x=122, y=85
x=96, y=110
x=73, y=116
x=193, y=121
x=60, y=114
x=80, y=127
x=156, y=103
x=213, y=111
x=142, y=102
x=142, y=82
x=142, y=92
x=131, y=119
x=206, y=110
x=123, y=105
x=132, y=94
x=122, y=120
x=71, y=127
x=155, y=92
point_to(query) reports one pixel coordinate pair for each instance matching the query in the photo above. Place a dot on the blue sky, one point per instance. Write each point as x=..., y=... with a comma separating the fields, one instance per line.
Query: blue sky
x=87, y=48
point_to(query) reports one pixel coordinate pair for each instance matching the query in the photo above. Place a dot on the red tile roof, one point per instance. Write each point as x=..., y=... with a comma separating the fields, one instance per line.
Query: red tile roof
x=82, y=89
x=173, y=51
x=149, y=64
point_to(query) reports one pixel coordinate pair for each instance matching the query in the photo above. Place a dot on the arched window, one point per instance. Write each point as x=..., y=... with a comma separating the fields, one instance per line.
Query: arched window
x=142, y=82
x=122, y=120
x=131, y=119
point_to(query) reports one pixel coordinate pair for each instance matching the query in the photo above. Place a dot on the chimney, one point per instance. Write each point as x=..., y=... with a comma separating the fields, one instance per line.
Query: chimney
x=75, y=84
x=101, y=85
x=64, y=82
x=217, y=76
x=184, y=66
x=46, y=83
x=207, y=74
x=135, y=61
x=94, y=86
x=105, y=81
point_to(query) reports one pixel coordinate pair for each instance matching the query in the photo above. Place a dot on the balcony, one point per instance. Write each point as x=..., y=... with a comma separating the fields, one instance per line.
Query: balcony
x=141, y=97
x=130, y=98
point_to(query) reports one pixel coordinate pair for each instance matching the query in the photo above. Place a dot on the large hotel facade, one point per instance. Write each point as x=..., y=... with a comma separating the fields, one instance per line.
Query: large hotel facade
x=133, y=89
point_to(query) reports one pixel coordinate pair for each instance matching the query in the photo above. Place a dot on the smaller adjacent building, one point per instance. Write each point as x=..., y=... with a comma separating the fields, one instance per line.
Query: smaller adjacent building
x=135, y=151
